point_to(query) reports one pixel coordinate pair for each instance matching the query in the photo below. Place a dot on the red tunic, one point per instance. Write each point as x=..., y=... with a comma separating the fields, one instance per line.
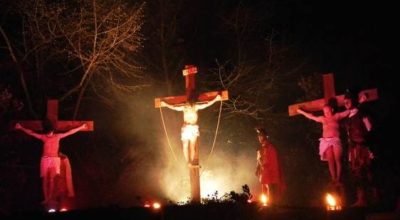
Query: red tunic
x=269, y=166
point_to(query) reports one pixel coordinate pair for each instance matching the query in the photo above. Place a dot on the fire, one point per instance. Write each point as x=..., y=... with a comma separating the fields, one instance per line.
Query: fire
x=264, y=199
x=332, y=202
x=156, y=205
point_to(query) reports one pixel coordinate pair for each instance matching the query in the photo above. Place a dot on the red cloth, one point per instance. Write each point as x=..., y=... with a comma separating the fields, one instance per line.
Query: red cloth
x=64, y=181
x=269, y=168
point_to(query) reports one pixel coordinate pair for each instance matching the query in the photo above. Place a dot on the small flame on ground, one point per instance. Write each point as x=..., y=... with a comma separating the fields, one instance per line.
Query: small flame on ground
x=264, y=199
x=156, y=205
x=332, y=202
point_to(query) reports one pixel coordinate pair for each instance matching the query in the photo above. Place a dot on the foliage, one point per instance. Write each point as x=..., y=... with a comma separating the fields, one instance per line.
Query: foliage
x=232, y=197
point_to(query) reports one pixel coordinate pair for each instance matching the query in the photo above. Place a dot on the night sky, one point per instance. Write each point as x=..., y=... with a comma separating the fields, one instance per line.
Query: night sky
x=126, y=159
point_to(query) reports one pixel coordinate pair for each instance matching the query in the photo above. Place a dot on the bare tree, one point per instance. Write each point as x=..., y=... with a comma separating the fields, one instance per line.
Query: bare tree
x=165, y=43
x=92, y=44
x=258, y=69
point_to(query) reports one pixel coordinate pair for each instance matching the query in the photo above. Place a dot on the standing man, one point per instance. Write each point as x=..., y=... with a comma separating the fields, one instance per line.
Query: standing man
x=50, y=162
x=269, y=171
x=358, y=126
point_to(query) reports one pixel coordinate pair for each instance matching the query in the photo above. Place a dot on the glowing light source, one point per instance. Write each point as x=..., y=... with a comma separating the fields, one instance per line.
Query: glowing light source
x=51, y=210
x=156, y=205
x=264, y=199
x=332, y=202
x=63, y=209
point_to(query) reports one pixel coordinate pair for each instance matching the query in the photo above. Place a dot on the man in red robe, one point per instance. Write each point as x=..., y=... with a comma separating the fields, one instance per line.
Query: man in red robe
x=268, y=169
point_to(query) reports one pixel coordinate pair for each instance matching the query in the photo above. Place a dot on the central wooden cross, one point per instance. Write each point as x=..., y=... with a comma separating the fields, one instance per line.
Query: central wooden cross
x=329, y=92
x=189, y=73
x=52, y=116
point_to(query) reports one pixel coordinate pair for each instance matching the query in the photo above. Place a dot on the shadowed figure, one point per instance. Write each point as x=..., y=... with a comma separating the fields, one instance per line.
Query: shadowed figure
x=358, y=126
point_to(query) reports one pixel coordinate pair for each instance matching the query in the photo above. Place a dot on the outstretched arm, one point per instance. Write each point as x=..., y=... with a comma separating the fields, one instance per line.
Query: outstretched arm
x=309, y=116
x=343, y=114
x=205, y=105
x=73, y=131
x=18, y=126
x=176, y=108
x=367, y=123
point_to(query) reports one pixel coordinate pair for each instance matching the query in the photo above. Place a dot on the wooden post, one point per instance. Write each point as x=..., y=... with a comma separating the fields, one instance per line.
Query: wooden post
x=194, y=165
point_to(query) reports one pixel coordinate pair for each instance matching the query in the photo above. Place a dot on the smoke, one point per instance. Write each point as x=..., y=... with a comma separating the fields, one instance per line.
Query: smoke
x=164, y=173
x=224, y=172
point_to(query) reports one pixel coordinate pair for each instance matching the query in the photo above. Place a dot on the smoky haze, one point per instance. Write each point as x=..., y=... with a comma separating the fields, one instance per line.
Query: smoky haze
x=158, y=169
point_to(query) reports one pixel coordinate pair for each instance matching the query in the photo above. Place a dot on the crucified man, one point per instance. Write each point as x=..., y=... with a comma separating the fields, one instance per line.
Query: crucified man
x=190, y=129
x=50, y=162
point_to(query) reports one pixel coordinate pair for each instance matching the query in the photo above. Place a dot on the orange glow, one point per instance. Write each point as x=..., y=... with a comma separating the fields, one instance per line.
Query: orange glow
x=156, y=205
x=219, y=174
x=147, y=205
x=63, y=209
x=332, y=202
x=264, y=199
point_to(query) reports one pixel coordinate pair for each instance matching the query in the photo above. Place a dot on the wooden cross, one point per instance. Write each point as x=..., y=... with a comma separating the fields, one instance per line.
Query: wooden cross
x=329, y=92
x=52, y=115
x=189, y=73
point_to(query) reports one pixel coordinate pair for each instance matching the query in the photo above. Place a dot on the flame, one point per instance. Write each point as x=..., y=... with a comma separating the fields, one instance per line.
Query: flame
x=156, y=205
x=264, y=199
x=333, y=202
x=330, y=200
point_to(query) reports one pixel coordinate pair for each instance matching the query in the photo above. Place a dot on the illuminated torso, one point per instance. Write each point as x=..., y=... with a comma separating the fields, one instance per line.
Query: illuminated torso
x=51, y=145
x=190, y=115
x=330, y=126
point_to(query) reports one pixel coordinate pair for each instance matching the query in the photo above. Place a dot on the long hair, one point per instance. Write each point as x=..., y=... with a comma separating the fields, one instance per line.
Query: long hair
x=47, y=126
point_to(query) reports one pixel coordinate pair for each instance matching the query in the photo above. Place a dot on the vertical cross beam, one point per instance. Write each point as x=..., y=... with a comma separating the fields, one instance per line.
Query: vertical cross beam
x=191, y=96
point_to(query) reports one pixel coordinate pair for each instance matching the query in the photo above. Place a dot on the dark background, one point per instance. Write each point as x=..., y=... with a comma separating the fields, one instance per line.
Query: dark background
x=125, y=160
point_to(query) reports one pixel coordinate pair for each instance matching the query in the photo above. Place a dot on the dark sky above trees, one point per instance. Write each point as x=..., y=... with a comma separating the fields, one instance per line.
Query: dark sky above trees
x=127, y=151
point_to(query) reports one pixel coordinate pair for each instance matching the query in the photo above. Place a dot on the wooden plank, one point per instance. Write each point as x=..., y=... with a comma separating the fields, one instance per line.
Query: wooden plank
x=181, y=100
x=316, y=105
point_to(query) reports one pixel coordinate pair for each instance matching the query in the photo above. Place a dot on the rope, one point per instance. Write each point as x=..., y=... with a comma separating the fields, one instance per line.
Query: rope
x=166, y=135
x=215, y=135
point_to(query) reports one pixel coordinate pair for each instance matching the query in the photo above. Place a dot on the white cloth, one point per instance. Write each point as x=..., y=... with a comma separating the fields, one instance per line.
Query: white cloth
x=189, y=132
x=324, y=143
